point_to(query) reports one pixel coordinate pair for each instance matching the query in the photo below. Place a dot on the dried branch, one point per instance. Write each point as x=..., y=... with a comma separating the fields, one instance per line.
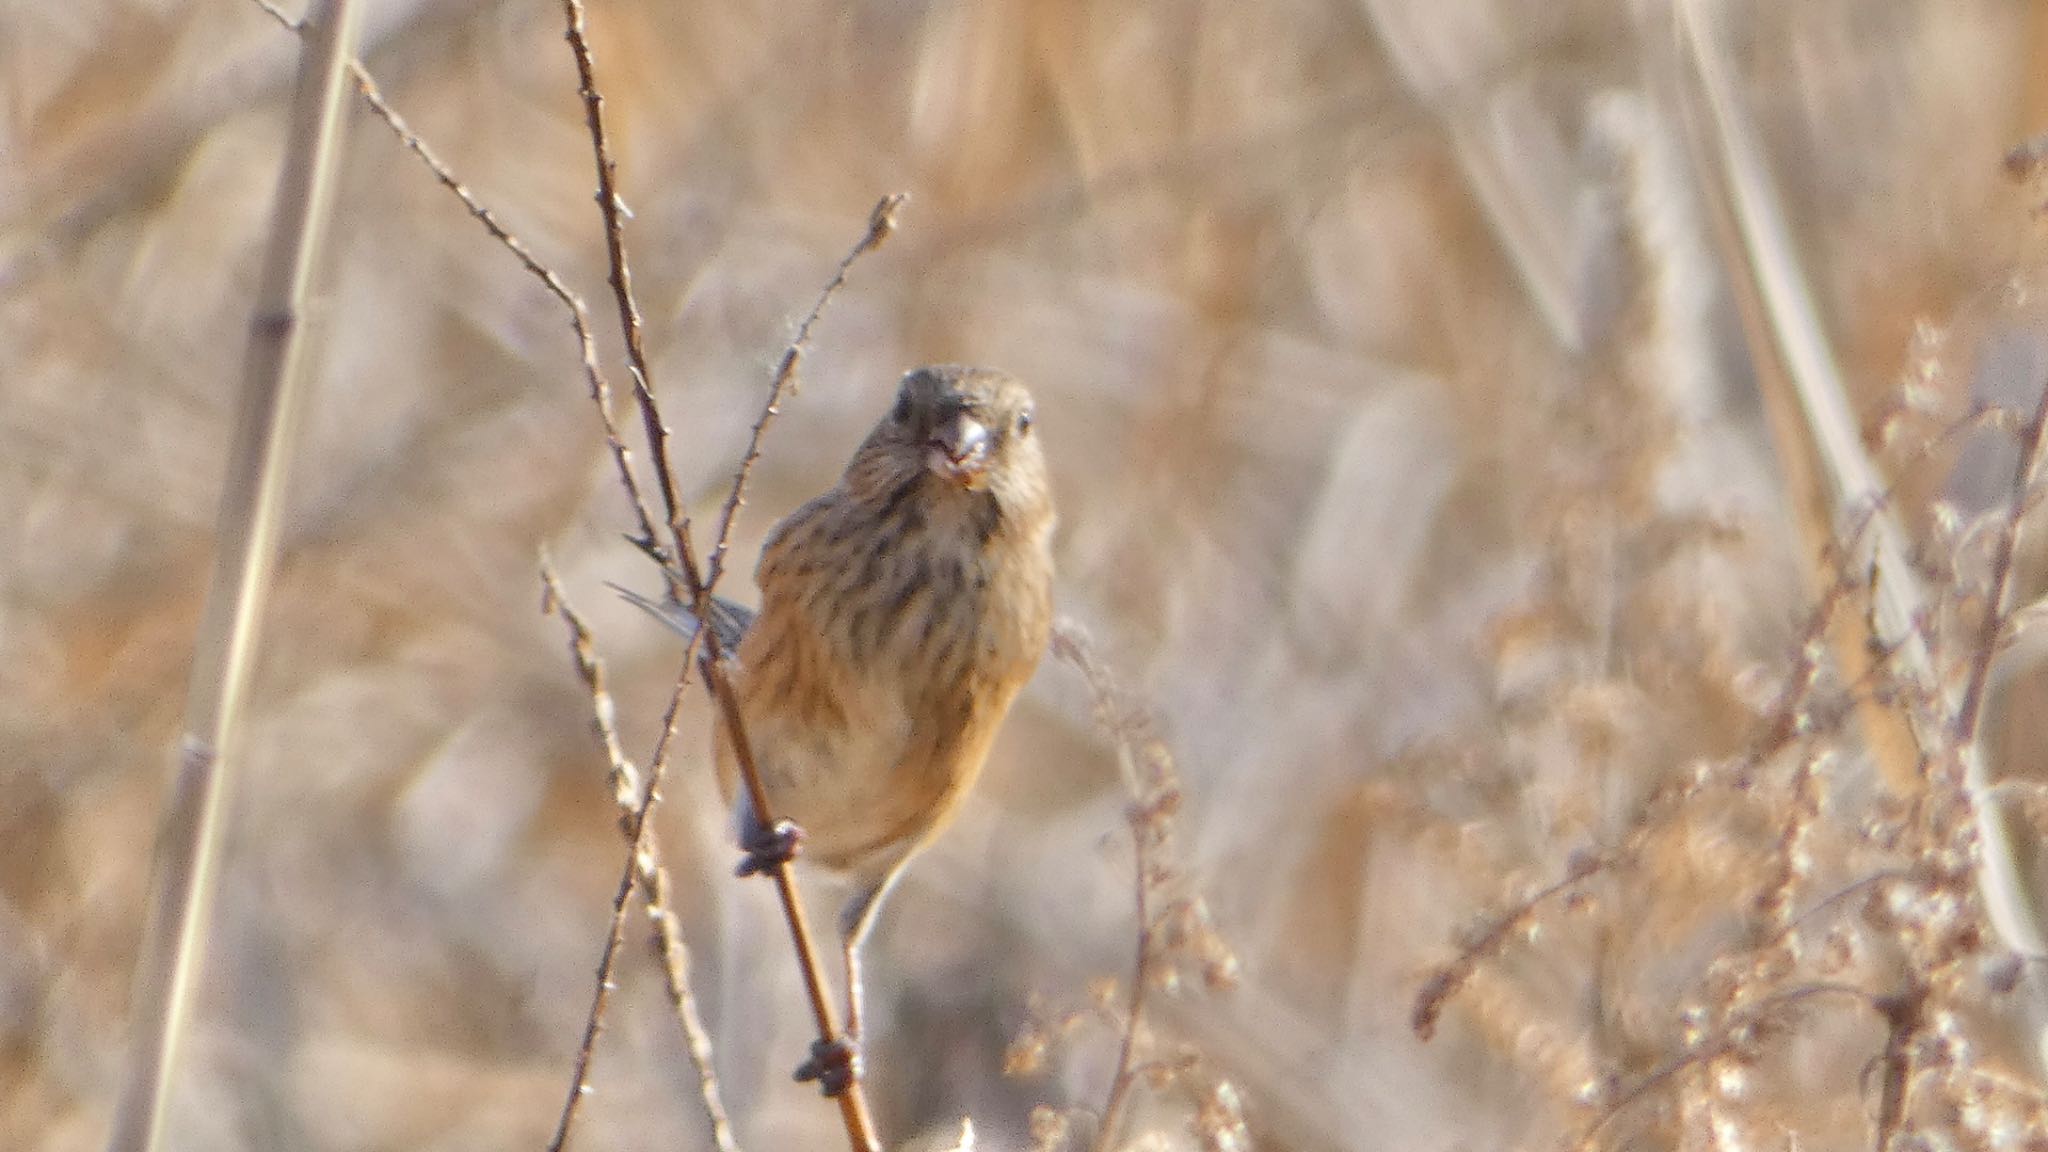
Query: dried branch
x=1154, y=787
x=852, y=1100
x=579, y=314
x=1486, y=943
x=881, y=224
x=1998, y=607
x=652, y=875
x=1797, y=369
x=579, y=1083
x=610, y=207
x=1780, y=730
x=173, y=944
x=648, y=871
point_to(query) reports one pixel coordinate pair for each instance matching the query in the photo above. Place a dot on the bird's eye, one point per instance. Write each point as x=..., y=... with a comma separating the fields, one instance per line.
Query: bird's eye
x=902, y=412
x=1024, y=423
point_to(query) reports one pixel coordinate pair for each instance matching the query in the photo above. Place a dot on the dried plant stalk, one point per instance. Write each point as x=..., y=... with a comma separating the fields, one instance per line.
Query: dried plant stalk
x=1173, y=924
x=173, y=944
x=646, y=870
x=1794, y=360
x=853, y=1107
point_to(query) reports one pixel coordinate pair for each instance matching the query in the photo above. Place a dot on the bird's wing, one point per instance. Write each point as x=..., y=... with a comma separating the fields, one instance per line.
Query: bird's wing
x=729, y=621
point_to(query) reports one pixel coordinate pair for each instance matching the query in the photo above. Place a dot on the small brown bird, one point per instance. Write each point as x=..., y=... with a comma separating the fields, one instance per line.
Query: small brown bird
x=901, y=613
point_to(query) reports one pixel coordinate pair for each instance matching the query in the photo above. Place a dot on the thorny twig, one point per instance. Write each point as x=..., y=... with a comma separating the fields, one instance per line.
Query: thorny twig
x=643, y=867
x=579, y=314
x=667, y=938
x=652, y=875
x=852, y=1100
x=610, y=206
x=700, y=588
x=637, y=831
x=881, y=223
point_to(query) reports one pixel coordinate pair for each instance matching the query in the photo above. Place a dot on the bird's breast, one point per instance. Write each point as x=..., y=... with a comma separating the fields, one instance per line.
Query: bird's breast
x=886, y=652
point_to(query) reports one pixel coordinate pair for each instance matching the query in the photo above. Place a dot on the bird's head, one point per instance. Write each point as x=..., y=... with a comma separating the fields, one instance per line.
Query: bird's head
x=955, y=428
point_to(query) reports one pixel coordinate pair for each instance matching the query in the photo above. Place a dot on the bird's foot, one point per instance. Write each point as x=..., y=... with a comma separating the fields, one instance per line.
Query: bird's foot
x=834, y=1064
x=768, y=848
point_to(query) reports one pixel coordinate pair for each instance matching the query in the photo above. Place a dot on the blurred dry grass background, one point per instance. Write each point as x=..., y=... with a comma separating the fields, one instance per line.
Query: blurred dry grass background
x=1409, y=466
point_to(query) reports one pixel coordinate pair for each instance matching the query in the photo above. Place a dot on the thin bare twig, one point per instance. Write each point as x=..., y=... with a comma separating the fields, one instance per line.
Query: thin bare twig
x=173, y=945
x=2033, y=438
x=637, y=847
x=610, y=205
x=1126, y=1075
x=699, y=587
x=852, y=1100
x=579, y=1086
x=1448, y=979
x=579, y=315
x=652, y=875
x=881, y=224
x=633, y=801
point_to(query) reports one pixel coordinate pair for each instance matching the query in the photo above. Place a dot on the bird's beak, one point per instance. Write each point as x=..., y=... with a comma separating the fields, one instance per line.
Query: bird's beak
x=958, y=449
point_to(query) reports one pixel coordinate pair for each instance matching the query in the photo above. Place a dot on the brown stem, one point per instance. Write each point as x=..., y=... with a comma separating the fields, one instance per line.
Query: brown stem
x=822, y=1011
x=1969, y=714
x=621, y=277
x=1903, y=1016
x=1126, y=1075
x=852, y=1101
x=881, y=224
x=579, y=314
x=633, y=802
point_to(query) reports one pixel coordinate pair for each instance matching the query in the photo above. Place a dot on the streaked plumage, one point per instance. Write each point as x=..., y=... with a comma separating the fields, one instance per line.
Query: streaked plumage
x=901, y=612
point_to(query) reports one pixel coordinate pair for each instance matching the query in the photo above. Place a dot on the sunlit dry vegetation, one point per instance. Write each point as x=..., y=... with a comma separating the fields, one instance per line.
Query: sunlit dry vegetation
x=1548, y=539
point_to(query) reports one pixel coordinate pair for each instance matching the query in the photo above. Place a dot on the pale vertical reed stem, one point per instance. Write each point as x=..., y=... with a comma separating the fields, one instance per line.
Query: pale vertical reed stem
x=1795, y=360
x=173, y=946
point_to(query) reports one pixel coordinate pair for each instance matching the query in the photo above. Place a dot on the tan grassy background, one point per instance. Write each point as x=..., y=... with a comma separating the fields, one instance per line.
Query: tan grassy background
x=1408, y=461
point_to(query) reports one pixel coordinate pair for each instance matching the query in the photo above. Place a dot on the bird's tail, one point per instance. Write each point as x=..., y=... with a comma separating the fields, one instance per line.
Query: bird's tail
x=729, y=621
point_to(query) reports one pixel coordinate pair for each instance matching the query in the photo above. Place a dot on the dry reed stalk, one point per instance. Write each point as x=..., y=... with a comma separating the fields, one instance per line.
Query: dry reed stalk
x=645, y=857
x=1798, y=372
x=173, y=944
